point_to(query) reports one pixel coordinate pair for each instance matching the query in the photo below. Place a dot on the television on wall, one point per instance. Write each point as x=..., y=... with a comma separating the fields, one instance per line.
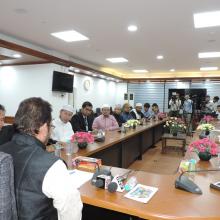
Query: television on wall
x=62, y=82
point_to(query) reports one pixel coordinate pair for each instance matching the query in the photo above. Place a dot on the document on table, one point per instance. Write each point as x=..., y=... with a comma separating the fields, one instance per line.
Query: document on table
x=141, y=193
x=79, y=177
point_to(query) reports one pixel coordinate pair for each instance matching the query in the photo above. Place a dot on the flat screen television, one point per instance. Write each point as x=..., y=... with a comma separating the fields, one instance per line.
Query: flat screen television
x=62, y=82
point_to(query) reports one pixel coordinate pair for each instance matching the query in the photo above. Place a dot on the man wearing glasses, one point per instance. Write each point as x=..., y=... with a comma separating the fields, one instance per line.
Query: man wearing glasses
x=82, y=121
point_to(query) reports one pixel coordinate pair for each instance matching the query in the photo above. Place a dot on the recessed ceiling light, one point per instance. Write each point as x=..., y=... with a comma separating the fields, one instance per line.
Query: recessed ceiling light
x=117, y=60
x=207, y=19
x=17, y=55
x=76, y=70
x=140, y=71
x=148, y=81
x=211, y=68
x=94, y=75
x=70, y=36
x=132, y=28
x=207, y=80
x=160, y=57
x=209, y=55
x=176, y=80
x=172, y=70
x=117, y=81
x=0, y=63
x=102, y=76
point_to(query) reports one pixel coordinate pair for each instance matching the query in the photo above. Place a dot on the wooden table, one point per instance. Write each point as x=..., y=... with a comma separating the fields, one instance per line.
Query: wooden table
x=122, y=149
x=179, y=137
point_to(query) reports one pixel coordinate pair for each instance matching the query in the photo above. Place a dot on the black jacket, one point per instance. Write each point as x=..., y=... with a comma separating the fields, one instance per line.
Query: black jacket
x=78, y=122
x=31, y=163
x=119, y=119
x=6, y=134
x=134, y=116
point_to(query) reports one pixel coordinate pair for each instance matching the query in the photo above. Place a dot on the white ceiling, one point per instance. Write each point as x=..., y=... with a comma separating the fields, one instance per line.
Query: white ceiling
x=165, y=27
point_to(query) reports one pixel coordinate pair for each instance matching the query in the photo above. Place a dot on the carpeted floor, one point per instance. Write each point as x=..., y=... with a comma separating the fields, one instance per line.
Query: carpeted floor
x=155, y=162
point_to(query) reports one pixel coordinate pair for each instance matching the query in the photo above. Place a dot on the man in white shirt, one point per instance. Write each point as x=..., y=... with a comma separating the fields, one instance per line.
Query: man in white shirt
x=62, y=130
x=44, y=189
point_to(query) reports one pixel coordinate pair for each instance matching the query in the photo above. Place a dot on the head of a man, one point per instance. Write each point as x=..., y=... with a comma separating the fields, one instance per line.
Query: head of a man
x=105, y=110
x=215, y=99
x=66, y=113
x=2, y=116
x=207, y=98
x=117, y=109
x=138, y=107
x=86, y=108
x=155, y=107
x=186, y=97
x=146, y=107
x=33, y=117
x=126, y=108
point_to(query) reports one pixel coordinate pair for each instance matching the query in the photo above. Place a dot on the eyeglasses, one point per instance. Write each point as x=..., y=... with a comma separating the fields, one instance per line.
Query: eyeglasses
x=52, y=126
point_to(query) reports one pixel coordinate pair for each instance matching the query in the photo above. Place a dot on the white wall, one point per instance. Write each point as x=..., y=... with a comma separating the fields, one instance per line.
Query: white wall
x=20, y=82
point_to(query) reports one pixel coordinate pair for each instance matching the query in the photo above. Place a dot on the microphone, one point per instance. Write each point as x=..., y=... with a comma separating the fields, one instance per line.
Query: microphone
x=184, y=183
x=112, y=187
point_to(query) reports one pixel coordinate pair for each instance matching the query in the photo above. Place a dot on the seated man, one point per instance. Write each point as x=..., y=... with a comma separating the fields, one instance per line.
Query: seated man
x=136, y=113
x=118, y=116
x=43, y=187
x=155, y=110
x=82, y=121
x=62, y=130
x=147, y=111
x=105, y=121
x=6, y=132
x=126, y=112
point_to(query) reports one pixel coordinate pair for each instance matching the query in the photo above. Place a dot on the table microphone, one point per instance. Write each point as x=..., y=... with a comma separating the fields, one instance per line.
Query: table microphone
x=184, y=183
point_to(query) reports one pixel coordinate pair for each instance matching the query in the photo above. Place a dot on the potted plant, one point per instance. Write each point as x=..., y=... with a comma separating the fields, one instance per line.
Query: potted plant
x=132, y=123
x=82, y=139
x=205, y=148
x=205, y=128
x=175, y=125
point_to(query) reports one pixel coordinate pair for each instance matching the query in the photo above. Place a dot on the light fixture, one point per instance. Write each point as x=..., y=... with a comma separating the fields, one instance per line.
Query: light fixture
x=117, y=60
x=17, y=55
x=207, y=19
x=207, y=80
x=160, y=57
x=0, y=63
x=176, y=80
x=76, y=70
x=132, y=28
x=140, y=71
x=172, y=70
x=117, y=81
x=211, y=68
x=70, y=36
x=209, y=54
x=102, y=76
x=94, y=75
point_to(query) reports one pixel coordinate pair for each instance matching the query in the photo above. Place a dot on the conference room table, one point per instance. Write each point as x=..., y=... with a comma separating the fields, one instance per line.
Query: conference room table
x=167, y=203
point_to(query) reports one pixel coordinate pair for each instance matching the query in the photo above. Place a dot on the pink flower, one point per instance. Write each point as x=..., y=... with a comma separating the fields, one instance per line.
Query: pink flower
x=80, y=137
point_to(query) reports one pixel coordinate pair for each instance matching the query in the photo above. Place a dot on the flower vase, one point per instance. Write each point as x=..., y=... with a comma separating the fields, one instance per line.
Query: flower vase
x=174, y=134
x=134, y=126
x=82, y=145
x=204, y=156
x=207, y=132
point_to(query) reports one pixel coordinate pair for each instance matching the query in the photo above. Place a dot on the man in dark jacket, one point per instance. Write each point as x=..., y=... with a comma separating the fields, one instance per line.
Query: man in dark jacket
x=82, y=121
x=6, y=132
x=118, y=116
x=43, y=186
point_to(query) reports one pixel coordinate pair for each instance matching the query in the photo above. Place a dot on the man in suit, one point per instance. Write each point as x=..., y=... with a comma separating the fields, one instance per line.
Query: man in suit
x=6, y=132
x=82, y=121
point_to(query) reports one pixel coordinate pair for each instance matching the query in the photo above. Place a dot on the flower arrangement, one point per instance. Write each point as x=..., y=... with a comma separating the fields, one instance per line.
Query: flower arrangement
x=204, y=145
x=207, y=119
x=132, y=123
x=82, y=139
x=205, y=127
x=161, y=115
x=175, y=125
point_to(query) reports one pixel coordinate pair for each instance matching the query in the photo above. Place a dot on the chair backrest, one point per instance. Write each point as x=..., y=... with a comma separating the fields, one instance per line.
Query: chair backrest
x=8, y=209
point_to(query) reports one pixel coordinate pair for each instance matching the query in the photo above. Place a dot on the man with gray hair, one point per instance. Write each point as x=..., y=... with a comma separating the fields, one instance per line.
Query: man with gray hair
x=105, y=121
x=117, y=115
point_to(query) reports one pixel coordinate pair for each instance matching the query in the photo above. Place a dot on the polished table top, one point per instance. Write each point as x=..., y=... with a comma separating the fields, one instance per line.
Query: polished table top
x=168, y=202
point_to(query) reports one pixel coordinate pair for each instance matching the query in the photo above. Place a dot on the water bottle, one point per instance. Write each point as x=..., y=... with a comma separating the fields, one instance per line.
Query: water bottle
x=131, y=183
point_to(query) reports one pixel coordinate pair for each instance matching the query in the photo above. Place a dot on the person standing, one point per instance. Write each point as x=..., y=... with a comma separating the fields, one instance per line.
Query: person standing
x=187, y=114
x=62, y=130
x=105, y=121
x=82, y=121
x=43, y=187
x=175, y=104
